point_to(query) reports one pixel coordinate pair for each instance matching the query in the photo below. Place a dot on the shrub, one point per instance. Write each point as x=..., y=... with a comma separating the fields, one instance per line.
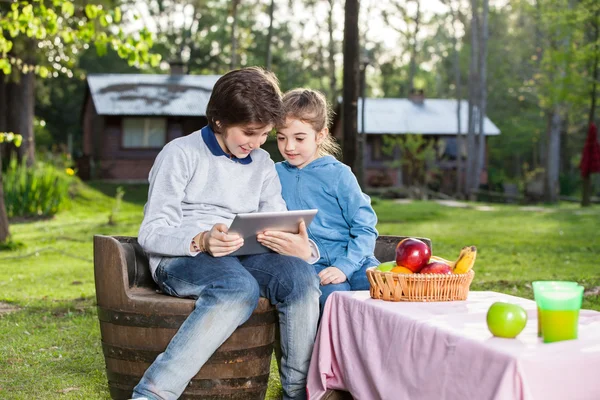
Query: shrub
x=40, y=190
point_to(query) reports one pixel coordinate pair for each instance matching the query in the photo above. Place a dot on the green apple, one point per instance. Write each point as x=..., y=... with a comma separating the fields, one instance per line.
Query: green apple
x=506, y=320
x=386, y=266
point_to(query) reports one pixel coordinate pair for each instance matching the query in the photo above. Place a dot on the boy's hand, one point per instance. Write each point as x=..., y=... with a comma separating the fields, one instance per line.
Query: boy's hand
x=219, y=243
x=332, y=275
x=288, y=244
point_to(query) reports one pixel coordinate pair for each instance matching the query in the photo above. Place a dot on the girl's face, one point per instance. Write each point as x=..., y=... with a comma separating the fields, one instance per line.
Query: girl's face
x=240, y=140
x=299, y=143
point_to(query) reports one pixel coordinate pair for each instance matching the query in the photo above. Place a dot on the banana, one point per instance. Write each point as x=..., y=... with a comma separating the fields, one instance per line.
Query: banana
x=466, y=260
x=442, y=260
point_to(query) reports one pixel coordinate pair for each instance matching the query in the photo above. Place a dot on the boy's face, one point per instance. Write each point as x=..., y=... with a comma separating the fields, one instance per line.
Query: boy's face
x=298, y=142
x=240, y=140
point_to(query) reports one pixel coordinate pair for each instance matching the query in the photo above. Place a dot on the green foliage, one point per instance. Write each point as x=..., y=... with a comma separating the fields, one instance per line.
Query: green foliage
x=570, y=183
x=38, y=191
x=61, y=30
x=10, y=137
x=417, y=156
x=43, y=138
x=11, y=245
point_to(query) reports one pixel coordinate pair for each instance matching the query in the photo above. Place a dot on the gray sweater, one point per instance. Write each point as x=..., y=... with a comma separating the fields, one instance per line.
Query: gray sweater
x=194, y=185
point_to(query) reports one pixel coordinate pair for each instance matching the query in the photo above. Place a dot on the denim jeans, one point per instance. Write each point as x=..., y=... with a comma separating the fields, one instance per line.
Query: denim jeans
x=358, y=280
x=226, y=290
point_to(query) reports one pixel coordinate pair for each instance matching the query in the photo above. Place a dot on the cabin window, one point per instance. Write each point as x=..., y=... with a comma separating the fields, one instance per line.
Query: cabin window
x=448, y=148
x=144, y=132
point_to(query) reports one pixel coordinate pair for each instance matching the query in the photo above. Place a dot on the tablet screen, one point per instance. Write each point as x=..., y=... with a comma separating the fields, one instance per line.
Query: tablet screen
x=250, y=224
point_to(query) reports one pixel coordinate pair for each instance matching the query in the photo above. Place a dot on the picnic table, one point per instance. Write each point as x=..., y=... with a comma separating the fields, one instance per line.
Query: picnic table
x=376, y=349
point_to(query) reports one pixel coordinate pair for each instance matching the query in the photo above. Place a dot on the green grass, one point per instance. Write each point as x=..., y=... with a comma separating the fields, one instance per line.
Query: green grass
x=50, y=348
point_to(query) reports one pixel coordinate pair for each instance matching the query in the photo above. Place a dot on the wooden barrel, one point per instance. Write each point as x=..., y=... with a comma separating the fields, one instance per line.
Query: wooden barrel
x=137, y=324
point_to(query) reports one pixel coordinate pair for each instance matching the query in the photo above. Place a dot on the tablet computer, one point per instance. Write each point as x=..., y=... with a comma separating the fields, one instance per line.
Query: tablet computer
x=250, y=224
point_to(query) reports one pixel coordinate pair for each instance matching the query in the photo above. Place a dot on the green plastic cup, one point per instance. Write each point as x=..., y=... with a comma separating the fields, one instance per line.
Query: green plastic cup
x=559, y=311
x=539, y=286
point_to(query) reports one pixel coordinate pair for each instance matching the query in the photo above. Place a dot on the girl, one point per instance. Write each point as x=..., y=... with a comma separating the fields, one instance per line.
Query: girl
x=197, y=185
x=344, y=228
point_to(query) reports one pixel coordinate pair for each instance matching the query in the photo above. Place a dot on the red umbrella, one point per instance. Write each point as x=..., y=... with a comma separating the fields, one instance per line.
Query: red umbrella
x=590, y=158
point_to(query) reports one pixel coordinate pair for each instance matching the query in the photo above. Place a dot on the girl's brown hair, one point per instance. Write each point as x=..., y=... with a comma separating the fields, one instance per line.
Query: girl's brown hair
x=310, y=107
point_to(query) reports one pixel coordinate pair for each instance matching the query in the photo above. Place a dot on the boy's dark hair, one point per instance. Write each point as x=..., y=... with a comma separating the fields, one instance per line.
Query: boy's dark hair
x=242, y=96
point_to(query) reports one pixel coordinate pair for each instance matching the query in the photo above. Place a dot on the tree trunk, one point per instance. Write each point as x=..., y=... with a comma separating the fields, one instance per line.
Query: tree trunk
x=351, y=73
x=20, y=115
x=412, y=68
x=553, y=156
x=362, y=137
x=4, y=230
x=565, y=156
x=482, y=94
x=551, y=182
x=587, y=182
x=234, y=15
x=3, y=102
x=269, y=53
x=539, y=45
x=332, y=71
x=459, y=135
x=473, y=79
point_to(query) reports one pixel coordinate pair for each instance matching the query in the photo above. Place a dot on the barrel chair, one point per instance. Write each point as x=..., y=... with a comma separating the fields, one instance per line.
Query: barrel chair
x=137, y=322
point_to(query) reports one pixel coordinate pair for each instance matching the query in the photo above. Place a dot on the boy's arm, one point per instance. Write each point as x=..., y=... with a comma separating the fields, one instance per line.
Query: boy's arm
x=160, y=232
x=361, y=218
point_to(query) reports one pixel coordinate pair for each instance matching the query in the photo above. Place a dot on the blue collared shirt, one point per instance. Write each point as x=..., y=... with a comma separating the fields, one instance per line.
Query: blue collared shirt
x=213, y=145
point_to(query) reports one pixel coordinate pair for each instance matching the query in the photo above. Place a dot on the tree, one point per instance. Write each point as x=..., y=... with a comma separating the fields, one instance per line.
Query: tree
x=268, y=53
x=351, y=79
x=454, y=14
x=332, y=52
x=594, y=44
x=482, y=105
x=234, y=39
x=400, y=20
x=4, y=230
x=558, y=19
x=57, y=32
x=471, y=166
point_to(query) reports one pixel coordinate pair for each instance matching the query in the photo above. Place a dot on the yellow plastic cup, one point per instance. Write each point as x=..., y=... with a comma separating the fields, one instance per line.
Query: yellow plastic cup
x=559, y=310
x=538, y=286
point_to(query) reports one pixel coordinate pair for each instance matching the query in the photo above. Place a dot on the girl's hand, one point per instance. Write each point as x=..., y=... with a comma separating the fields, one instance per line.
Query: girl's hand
x=332, y=275
x=288, y=244
x=219, y=243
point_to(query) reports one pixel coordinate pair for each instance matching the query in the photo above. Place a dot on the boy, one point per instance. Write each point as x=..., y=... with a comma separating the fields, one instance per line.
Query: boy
x=197, y=185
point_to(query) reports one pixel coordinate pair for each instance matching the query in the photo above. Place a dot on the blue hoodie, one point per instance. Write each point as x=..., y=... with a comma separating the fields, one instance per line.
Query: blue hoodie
x=344, y=228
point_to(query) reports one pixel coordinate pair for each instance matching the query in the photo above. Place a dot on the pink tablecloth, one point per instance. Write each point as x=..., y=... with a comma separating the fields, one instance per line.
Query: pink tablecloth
x=411, y=351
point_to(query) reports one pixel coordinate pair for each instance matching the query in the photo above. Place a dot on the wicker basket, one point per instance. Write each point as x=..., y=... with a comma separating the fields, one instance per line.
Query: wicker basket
x=419, y=287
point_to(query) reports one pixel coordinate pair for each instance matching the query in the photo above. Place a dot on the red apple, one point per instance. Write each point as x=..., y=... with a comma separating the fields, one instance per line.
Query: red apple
x=412, y=254
x=436, y=268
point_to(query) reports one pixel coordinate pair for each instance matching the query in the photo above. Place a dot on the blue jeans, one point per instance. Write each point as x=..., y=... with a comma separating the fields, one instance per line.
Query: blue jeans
x=226, y=290
x=357, y=281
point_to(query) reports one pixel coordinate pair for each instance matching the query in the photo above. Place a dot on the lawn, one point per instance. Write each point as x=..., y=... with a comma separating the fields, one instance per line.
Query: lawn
x=50, y=347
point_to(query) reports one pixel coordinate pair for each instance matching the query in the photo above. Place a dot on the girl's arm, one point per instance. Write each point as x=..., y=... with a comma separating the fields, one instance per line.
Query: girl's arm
x=160, y=232
x=361, y=218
